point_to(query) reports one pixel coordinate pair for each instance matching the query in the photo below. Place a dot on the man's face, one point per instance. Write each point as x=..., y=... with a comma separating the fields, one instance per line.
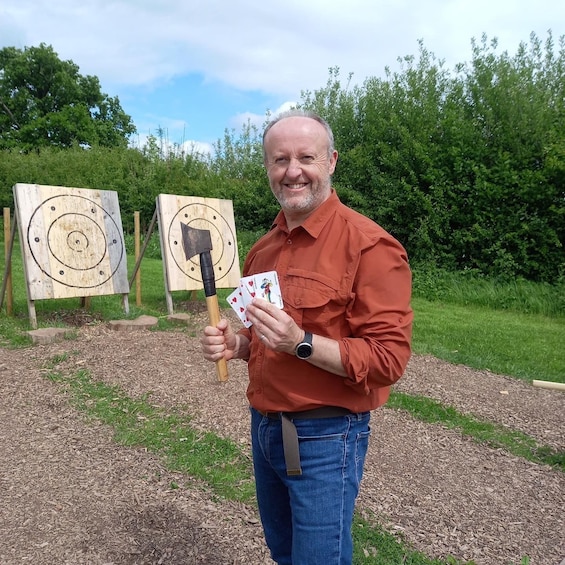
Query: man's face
x=298, y=166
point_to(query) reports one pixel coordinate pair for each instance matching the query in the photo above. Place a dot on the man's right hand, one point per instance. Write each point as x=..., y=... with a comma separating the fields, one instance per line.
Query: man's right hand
x=222, y=342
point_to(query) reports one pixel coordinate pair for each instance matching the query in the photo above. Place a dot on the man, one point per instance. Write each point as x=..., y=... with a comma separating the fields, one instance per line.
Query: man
x=318, y=367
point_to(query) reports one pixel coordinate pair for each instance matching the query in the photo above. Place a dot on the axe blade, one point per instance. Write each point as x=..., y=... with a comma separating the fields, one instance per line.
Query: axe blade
x=195, y=241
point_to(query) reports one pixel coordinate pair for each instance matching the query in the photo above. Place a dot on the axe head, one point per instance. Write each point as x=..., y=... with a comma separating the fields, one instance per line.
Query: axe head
x=195, y=241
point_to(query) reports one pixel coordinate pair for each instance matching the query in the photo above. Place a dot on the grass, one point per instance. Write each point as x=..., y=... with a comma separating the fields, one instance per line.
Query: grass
x=374, y=545
x=226, y=469
x=515, y=328
x=526, y=346
x=468, y=288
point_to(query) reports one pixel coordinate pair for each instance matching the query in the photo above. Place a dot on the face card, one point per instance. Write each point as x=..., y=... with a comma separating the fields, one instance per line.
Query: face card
x=267, y=287
x=235, y=300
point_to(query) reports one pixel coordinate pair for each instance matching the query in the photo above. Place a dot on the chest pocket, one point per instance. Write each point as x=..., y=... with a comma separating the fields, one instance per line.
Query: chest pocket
x=314, y=300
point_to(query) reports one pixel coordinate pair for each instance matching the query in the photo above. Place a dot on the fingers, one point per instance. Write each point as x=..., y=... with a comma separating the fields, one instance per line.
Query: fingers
x=214, y=341
x=274, y=327
x=260, y=311
x=263, y=318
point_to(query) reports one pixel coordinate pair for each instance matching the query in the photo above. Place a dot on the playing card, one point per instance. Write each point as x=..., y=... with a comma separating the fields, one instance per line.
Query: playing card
x=267, y=287
x=235, y=300
x=263, y=285
x=247, y=286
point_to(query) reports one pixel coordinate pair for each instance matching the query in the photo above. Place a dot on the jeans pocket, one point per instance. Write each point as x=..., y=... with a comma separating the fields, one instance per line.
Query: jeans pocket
x=361, y=446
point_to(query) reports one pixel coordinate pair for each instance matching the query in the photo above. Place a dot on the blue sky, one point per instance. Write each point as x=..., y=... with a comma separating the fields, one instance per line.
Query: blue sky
x=197, y=67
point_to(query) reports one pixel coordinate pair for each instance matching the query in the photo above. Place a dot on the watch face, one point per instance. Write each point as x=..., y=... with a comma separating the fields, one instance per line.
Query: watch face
x=304, y=350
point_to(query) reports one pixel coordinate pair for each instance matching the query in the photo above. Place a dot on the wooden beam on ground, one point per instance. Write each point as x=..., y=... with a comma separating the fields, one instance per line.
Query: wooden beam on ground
x=549, y=384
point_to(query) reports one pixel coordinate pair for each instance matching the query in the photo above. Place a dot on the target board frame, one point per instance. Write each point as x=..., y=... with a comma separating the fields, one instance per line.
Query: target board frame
x=72, y=241
x=212, y=214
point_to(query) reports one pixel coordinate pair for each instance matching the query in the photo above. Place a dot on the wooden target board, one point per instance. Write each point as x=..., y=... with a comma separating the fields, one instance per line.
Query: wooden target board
x=72, y=241
x=212, y=214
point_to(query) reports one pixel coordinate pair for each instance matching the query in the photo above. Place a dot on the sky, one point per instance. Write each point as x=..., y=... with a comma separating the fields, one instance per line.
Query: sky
x=196, y=68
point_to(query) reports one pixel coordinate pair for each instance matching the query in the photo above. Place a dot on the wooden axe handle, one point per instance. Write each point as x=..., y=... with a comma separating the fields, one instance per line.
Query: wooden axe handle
x=214, y=318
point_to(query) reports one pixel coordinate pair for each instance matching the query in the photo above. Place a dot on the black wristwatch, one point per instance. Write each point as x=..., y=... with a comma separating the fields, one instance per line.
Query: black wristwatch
x=304, y=348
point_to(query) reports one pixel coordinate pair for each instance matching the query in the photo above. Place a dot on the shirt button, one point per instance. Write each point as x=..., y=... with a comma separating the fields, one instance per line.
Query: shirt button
x=289, y=241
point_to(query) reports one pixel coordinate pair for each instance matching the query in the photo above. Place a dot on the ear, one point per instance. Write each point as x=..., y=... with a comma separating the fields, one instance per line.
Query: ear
x=333, y=162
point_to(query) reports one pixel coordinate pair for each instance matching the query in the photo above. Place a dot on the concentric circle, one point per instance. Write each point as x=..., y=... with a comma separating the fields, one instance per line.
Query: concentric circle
x=69, y=238
x=203, y=217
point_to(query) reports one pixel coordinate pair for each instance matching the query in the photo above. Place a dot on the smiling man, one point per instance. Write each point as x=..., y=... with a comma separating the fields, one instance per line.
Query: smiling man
x=320, y=365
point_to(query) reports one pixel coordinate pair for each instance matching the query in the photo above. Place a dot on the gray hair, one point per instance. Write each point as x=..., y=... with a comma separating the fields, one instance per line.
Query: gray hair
x=296, y=113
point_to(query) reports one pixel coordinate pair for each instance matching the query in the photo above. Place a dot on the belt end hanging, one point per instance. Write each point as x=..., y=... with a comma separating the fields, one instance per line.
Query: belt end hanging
x=290, y=446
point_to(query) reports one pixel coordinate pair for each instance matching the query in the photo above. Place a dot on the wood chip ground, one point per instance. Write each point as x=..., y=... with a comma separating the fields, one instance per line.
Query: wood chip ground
x=70, y=495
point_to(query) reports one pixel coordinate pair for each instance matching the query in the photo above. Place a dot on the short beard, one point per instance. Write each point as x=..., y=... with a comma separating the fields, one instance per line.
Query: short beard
x=306, y=203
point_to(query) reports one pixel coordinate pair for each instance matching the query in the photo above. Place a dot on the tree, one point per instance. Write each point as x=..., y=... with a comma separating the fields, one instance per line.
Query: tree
x=466, y=169
x=44, y=101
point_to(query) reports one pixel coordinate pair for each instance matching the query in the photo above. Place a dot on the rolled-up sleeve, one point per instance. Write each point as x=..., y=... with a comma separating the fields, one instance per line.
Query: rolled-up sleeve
x=380, y=318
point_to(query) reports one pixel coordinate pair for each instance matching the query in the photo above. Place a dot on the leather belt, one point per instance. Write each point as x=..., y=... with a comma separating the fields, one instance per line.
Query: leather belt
x=290, y=435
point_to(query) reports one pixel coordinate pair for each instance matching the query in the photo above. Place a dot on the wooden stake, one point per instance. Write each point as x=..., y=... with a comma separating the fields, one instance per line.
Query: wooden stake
x=137, y=237
x=8, y=255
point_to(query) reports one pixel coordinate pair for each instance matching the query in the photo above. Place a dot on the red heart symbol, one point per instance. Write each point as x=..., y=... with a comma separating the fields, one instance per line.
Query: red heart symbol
x=241, y=309
x=250, y=283
x=234, y=299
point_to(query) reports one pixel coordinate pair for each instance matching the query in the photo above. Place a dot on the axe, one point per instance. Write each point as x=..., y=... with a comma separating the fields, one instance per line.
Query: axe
x=199, y=242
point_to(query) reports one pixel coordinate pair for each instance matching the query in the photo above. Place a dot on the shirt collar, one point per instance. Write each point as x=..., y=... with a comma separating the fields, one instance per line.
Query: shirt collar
x=316, y=221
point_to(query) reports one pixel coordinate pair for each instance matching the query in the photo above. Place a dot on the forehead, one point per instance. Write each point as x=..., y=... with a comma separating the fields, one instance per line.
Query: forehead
x=296, y=133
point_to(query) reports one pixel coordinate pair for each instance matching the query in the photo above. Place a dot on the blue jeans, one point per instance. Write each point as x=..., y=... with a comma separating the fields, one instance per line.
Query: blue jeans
x=307, y=518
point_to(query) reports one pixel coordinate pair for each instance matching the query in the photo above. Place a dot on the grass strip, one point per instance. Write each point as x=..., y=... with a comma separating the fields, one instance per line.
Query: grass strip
x=493, y=435
x=217, y=461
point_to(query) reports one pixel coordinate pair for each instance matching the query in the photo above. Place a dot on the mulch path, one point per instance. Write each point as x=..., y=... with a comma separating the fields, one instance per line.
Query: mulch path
x=71, y=495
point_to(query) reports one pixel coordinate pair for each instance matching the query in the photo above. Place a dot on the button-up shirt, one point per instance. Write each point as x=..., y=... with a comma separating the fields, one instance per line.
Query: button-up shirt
x=344, y=277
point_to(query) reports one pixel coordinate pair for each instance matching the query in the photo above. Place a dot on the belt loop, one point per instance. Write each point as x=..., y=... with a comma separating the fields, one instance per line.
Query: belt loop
x=290, y=446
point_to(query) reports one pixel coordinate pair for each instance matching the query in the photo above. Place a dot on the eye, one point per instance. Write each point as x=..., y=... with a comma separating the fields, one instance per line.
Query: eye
x=307, y=159
x=280, y=160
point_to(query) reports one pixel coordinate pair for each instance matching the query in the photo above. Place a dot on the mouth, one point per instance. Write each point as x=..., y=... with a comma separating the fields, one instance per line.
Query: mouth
x=296, y=186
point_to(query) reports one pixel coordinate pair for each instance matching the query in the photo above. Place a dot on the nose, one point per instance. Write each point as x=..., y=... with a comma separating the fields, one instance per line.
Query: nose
x=294, y=168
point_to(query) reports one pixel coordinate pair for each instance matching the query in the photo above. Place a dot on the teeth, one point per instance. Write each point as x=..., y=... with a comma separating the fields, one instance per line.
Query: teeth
x=296, y=185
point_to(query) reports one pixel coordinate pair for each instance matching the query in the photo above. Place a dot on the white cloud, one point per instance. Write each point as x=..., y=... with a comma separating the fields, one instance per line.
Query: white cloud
x=269, y=46
x=276, y=48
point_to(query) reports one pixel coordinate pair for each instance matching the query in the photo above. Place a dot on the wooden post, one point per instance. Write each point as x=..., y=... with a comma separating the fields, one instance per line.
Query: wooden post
x=7, y=255
x=137, y=237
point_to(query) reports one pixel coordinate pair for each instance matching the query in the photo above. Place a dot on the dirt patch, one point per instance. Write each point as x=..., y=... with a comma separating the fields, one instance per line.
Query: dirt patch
x=72, y=496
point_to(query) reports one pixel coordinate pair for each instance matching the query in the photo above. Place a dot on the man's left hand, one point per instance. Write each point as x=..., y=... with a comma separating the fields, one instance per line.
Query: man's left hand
x=273, y=326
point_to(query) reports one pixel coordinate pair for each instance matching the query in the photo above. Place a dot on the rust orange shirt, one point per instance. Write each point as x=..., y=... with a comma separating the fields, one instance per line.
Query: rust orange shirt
x=344, y=277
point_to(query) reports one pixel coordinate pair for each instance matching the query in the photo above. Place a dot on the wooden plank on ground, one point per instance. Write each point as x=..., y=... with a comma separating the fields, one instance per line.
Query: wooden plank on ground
x=549, y=384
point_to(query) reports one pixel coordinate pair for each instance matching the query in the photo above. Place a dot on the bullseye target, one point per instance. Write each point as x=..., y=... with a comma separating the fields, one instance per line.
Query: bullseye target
x=73, y=241
x=212, y=215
